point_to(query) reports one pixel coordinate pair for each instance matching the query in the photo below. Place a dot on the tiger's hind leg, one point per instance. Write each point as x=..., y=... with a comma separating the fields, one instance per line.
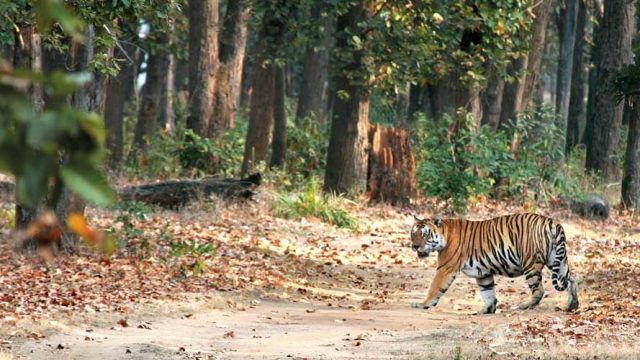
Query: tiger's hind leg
x=488, y=293
x=573, y=294
x=534, y=280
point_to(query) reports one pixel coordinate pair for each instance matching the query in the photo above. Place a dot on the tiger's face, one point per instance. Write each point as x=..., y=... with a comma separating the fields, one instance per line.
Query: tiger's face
x=426, y=236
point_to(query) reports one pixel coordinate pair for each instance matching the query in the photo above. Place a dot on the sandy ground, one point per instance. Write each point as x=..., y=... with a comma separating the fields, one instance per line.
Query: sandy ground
x=341, y=321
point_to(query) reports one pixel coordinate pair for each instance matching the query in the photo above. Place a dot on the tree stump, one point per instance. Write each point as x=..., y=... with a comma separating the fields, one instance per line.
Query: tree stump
x=391, y=173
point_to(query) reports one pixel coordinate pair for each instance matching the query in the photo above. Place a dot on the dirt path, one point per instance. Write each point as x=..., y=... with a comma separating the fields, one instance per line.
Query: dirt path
x=357, y=308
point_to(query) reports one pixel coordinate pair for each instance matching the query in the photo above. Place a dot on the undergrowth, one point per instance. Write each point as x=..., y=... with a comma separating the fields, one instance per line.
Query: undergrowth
x=309, y=201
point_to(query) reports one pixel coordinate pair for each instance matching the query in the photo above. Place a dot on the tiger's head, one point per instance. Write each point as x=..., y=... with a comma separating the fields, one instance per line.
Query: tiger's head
x=427, y=236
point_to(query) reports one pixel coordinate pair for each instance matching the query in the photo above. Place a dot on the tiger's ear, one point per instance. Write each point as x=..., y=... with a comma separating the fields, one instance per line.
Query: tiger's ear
x=415, y=217
x=438, y=221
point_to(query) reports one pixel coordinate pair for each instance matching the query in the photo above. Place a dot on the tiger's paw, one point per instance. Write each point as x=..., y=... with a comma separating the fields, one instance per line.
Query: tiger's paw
x=419, y=306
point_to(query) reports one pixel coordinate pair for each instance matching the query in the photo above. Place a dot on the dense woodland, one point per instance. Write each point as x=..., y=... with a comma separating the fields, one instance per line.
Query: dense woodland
x=325, y=102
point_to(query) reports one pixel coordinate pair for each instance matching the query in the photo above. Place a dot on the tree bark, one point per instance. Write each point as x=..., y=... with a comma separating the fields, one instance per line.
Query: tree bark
x=614, y=51
x=203, y=56
x=631, y=178
x=233, y=39
x=567, y=31
x=541, y=12
x=116, y=95
x=279, y=145
x=391, y=175
x=314, y=83
x=151, y=97
x=516, y=94
x=577, y=111
x=492, y=103
x=27, y=54
x=270, y=40
x=347, y=158
x=416, y=99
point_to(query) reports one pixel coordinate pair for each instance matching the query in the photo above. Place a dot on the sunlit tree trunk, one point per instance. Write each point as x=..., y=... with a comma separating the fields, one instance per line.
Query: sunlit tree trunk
x=492, y=102
x=203, y=60
x=233, y=39
x=614, y=51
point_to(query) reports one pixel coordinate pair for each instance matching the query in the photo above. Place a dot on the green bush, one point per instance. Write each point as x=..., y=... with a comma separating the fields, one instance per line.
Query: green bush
x=311, y=202
x=457, y=162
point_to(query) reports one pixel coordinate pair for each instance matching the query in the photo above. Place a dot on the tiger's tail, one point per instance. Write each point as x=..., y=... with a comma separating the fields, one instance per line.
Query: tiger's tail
x=559, y=263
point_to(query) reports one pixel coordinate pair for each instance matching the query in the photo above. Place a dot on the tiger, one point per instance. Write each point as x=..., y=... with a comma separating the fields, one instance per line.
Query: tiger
x=511, y=245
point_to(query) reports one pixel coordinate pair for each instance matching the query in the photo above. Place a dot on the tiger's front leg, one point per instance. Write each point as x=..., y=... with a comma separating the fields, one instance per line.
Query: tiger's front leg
x=439, y=286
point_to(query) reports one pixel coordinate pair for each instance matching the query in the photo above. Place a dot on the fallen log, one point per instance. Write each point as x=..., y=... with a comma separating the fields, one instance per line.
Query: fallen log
x=179, y=192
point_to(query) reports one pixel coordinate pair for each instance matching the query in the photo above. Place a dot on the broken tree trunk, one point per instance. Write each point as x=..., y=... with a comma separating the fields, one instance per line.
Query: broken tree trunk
x=392, y=167
x=178, y=192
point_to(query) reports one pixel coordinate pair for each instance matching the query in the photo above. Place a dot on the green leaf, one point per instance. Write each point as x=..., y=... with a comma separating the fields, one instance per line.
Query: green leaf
x=88, y=182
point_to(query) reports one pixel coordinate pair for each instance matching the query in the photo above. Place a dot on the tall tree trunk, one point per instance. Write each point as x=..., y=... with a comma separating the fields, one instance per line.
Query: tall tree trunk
x=516, y=94
x=203, y=56
x=577, y=111
x=567, y=30
x=402, y=106
x=27, y=54
x=347, y=154
x=90, y=98
x=116, y=94
x=279, y=145
x=167, y=116
x=270, y=40
x=631, y=178
x=233, y=39
x=313, y=96
x=151, y=98
x=614, y=51
x=492, y=103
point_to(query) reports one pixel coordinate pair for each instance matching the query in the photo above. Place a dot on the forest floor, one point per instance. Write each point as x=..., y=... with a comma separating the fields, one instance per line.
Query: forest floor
x=278, y=288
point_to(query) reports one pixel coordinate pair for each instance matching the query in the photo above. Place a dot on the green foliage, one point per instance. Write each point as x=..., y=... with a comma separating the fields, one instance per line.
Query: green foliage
x=458, y=162
x=199, y=251
x=307, y=144
x=311, y=202
x=220, y=156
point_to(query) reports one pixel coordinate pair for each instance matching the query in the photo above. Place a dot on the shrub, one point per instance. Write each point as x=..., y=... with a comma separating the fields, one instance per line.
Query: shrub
x=311, y=202
x=457, y=162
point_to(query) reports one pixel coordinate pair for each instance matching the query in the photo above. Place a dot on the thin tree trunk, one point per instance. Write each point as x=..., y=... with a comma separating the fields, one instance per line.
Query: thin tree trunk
x=567, y=32
x=90, y=98
x=270, y=40
x=313, y=96
x=614, y=51
x=347, y=158
x=541, y=12
x=116, y=95
x=492, y=102
x=168, y=110
x=151, y=98
x=203, y=56
x=631, y=178
x=402, y=106
x=27, y=54
x=233, y=39
x=516, y=94
x=279, y=145
x=577, y=110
